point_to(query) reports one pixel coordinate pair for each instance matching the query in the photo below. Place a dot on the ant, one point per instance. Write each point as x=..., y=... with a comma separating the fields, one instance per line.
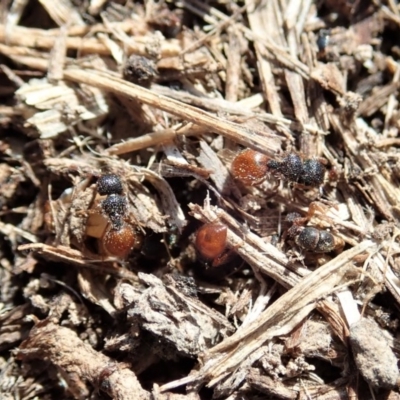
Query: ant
x=251, y=167
x=117, y=238
x=323, y=40
x=312, y=239
x=211, y=244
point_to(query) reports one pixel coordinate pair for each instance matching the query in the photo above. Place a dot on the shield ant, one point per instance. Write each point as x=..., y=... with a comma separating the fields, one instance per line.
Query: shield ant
x=109, y=223
x=312, y=239
x=251, y=167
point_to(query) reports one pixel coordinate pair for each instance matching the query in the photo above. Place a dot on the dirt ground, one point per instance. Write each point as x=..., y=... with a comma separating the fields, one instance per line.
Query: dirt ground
x=199, y=200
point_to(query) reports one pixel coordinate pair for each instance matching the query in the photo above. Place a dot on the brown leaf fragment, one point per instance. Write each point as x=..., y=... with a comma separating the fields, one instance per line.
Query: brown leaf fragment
x=172, y=316
x=94, y=289
x=80, y=364
x=75, y=257
x=267, y=385
x=173, y=214
x=13, y=326
x=336, y=322
x=10, y=179
x=220, y=175
x=373, y=356
x=329, y=77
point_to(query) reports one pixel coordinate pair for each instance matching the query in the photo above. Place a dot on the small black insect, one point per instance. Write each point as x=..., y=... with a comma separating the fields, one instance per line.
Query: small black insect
x=317, y=241
x=323, y=40
x=312, y=239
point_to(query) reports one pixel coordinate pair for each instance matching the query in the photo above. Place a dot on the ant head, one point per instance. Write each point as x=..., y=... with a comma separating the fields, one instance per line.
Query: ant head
x=109, y=184
x=250, y=167
x=211, y=240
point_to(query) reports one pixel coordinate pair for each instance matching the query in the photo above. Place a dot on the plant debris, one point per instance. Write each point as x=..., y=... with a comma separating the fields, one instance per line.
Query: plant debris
x=199, y=200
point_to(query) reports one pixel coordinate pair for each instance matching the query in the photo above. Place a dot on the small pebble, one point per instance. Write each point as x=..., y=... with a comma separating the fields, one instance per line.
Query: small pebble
x=373, y=356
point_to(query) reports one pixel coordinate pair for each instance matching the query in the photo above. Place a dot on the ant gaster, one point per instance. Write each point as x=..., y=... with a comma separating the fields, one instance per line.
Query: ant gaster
x=210, y=243
x=250, y=167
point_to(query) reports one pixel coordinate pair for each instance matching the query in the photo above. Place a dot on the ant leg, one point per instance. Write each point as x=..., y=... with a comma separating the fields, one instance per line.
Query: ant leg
x=223, y=258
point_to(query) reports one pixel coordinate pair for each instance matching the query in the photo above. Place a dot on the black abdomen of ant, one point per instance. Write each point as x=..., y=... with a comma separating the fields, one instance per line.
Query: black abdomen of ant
x=316, y=240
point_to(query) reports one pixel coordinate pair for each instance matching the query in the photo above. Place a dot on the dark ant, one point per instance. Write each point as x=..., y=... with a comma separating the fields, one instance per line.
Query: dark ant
x=251, y=167
x=312, y=239
x=210, y=244
x=116, y=237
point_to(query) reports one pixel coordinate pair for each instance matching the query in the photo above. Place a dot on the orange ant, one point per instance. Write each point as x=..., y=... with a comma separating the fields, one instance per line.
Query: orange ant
x=211, y=244
x=250, y=167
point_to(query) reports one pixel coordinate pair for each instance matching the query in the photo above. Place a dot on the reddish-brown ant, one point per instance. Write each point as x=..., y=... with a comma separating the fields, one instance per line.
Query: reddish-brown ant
x=210, y=244
x=251, y=168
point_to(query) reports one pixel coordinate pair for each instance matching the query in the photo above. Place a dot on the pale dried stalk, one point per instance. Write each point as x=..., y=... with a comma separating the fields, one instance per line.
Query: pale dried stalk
x=156, y=138
x=38, y=38
x=258, y=23
x=49, y=342
x=238, y=108
x=260, y=255
x=114, y=84
x=11, y=230
x=279, y=319
x=70, y=256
